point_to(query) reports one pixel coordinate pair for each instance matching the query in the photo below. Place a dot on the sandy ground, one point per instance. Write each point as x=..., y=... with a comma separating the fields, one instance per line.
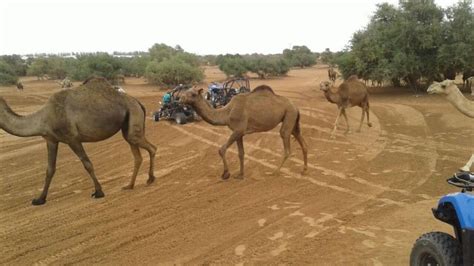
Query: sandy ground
x=364, y=200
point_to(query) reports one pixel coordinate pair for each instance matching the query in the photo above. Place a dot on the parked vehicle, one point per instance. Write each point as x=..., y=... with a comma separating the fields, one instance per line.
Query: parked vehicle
x=219, y=94
x=172, y=109
x=457, y=209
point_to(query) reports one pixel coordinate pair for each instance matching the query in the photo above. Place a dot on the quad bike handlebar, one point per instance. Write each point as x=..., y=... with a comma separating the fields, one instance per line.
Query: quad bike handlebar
x=463, y=180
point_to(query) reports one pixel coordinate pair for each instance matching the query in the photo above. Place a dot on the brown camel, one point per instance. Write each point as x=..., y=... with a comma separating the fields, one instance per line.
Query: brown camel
x=19, y=86
x=258, y=111
x=93, y=112
x=65, y=83
x=466, y=74
x=332, y=74
x=470, y=84
x=350, y=93
x=452, y=93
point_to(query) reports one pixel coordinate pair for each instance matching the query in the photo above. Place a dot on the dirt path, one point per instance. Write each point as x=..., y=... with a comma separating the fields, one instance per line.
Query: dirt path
x=364, y=200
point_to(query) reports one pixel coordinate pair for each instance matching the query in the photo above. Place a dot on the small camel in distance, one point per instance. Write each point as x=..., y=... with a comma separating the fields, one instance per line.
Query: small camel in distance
x=257, y=111
x=19, y=86
x=350, y=93
x=332, y=74
x=92, y=112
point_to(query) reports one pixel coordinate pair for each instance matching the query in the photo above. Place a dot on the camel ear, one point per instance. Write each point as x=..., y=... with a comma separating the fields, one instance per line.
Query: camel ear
x=200, y=90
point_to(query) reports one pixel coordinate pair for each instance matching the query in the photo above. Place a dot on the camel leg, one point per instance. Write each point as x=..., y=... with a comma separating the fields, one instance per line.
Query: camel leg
x=81, y=153
x=138, y=161
x=52, y=155
x=240, y=146
x=152, y=152
x=288, y=126
x=335, y=123
x=233, y=137
x=362, y=119
x=467, y=167
x=287, y=148
x=348, y=129
x=304, y=147
x=368, y=120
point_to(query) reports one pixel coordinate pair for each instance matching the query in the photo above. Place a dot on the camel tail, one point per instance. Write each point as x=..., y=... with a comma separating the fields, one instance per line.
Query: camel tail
x=143, y=109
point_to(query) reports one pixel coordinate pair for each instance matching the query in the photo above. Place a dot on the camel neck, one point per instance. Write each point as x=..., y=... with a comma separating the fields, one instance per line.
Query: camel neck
x=21, y=126
x=331, y=97
x=461, y=103
x=216, y=117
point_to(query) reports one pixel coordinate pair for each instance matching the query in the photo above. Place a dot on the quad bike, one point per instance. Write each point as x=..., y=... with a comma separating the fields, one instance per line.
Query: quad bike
x=172, y=109
x=457, y=209
x=220, y=94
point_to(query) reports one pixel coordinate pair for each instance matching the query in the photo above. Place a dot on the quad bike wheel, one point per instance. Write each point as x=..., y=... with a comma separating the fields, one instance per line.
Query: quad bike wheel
x=156, y=117
x=436, y=248
x=180, y=118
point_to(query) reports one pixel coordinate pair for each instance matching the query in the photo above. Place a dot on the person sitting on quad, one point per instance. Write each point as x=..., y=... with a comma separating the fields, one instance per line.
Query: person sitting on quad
x=166, y=99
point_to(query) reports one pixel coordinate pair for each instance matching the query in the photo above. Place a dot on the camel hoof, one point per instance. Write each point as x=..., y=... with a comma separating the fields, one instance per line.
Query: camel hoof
x=225, y=175
x=239, y=176
x=37, y=202
x=464, y=169
x=128, y=187
x=98, y=194
x=150, y=180
x=332, y=137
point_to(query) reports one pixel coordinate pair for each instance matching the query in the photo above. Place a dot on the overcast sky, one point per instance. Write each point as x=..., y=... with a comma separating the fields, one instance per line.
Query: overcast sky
x=202, y=27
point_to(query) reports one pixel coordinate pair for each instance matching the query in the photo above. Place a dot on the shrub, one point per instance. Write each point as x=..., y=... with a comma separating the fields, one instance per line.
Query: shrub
x=234, y=66
x=172, y=72
x=300, y=56
x=7, y=74
x=101, y=64
x=267, y=66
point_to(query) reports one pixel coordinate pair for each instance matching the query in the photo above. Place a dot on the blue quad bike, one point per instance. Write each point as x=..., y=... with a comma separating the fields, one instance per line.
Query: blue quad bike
x=457, y=209
x=220, y=94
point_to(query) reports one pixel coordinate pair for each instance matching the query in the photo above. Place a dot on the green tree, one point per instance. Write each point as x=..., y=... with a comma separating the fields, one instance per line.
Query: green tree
x=172, y=72
x=7, y=74
x=160, y=52
x=39, y=67
x=266, y=66
x=399, y=44
x=233, y=65
x=457, y=51
x=134, y=66
x=300, y=56
x=327, y=56
x=16, y=63
x=100, y=64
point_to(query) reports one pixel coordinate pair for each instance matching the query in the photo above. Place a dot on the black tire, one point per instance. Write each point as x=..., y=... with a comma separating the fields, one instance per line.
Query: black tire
x=180, y=118
x=156, y=117
x=436, y=248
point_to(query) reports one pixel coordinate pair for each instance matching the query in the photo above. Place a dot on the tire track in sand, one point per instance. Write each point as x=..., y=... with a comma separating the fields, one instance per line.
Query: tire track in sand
x=325, y=171
x=297, y=176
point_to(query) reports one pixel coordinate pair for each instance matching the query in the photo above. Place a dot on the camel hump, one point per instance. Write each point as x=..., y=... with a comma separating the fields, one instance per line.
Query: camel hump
x=352, y=78
x=263, y=88
x=97, y=82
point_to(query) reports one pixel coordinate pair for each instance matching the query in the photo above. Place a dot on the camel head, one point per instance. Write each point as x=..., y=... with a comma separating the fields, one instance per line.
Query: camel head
x=444, y=87
x=325, y=85
x=191, y=96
